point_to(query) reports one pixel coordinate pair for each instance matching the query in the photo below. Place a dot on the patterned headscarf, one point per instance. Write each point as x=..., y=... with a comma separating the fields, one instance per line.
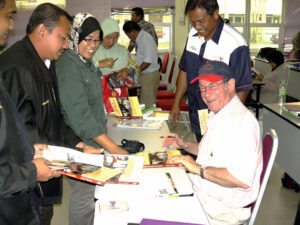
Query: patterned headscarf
x=77, y=29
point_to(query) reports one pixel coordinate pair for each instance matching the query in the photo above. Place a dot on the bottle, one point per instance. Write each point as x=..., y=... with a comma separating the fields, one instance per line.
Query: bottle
x=282, y=93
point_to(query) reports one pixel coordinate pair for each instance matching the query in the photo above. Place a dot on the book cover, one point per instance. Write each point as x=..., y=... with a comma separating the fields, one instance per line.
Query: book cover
x=95, y=168
x=86, y=172
x=158, y=159
x=126, y=107
x=113, y=206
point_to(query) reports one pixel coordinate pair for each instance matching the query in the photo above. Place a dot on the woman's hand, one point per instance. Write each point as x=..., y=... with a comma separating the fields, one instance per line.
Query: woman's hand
x=123, y=73
x=106, y=63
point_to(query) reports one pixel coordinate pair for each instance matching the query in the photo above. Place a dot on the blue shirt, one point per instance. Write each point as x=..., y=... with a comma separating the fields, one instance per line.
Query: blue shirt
x=226, y=45
x=146, y=52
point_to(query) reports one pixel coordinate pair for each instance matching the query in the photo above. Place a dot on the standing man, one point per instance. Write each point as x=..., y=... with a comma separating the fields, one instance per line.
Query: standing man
x=137, y=15
x=209, y=39
x=226, y=173
x=29, y=76
x=19, y=172
x=146, y=59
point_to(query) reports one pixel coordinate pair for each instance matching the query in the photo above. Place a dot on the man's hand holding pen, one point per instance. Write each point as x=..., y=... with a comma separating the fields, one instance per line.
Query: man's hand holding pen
x=173, y=140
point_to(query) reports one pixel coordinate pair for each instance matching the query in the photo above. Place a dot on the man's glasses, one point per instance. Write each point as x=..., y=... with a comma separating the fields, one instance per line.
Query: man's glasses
x=90, y=41
x=211, y=87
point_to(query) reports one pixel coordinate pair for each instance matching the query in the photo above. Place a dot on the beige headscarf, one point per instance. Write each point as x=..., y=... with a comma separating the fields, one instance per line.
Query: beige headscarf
x=109, y=25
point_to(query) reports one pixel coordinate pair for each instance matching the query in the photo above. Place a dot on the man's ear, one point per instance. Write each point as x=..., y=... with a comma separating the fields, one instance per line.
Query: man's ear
x=231, y=85
x=216, y=14
x=41, y=31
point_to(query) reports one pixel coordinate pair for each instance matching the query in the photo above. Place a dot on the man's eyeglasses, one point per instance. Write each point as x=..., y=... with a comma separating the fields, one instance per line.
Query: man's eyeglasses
x=211, y=87
x=90, y=41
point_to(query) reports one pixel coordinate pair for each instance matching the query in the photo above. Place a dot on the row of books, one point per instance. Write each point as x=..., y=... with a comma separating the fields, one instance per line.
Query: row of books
x=129, y=108
x=100, y=169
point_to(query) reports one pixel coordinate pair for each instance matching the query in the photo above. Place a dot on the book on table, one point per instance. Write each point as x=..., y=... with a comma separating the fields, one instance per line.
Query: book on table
x=159, y=159
x=126, y=107
x=292, y=109
x=95, y=168
x=139, y=124
x=166, y=182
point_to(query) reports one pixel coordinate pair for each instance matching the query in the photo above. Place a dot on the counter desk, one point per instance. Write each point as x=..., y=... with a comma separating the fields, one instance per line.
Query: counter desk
x=288, y=131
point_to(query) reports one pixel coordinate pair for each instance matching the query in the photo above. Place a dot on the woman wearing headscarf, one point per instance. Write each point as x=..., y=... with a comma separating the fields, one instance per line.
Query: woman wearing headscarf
x=82, y=106
x=111, y=57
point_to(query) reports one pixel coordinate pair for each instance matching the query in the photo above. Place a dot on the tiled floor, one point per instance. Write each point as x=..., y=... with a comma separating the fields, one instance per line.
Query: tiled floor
x=278, y=206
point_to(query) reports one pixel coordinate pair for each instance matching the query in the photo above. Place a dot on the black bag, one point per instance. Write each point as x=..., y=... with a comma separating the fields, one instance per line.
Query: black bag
x=289, y=182
x=132, y=146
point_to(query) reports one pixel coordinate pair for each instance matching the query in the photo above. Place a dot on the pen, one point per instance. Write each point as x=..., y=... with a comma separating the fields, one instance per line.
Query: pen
x=183, y=195
x=115, y=59
x=172, y=183
x=168, y=136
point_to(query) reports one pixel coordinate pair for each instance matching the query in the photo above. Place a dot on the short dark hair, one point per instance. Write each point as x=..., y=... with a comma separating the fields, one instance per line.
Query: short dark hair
x=47, y=14
x=2, y=4
x=130, y=26
x=138, y=11
x=209, y=5
x=276, y=57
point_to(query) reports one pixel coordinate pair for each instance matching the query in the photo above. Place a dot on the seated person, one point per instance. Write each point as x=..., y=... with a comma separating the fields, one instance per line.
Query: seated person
x=226, y=173
x=272, y=80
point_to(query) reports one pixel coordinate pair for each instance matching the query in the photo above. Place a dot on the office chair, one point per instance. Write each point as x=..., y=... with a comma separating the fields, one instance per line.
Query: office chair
x=270, y=146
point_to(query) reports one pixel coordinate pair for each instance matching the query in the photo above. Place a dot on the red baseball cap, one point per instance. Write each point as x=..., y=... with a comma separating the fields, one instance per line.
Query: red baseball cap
x=214, y=71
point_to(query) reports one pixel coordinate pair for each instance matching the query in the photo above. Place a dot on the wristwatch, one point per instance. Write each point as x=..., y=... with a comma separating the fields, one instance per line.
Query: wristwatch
x=202, y=168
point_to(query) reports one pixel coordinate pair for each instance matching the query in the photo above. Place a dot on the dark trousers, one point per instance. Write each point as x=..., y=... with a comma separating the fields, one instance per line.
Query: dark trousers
x=297, y=219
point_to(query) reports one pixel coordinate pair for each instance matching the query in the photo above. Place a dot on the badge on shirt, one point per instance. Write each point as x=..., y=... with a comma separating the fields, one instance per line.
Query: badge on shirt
x=1, y=107
x=194, y=45
x=45, y=103
x=203, y=118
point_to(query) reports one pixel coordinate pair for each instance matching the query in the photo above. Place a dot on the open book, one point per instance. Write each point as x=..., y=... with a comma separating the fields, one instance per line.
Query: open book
x=95, y=168
x=158, y=159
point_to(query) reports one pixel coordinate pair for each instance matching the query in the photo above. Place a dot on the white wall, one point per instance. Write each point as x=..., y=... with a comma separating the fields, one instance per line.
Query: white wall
x=99, y=8
x=181, y=27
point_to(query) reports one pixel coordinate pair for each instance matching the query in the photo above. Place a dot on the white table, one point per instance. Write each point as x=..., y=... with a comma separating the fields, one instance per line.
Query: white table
x=150, y=138
x=288, y=132
x=141, y=205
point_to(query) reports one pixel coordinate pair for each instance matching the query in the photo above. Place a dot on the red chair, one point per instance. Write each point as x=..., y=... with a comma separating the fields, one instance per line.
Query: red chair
x=270, y=146
x=164, y=94
x=162, y=85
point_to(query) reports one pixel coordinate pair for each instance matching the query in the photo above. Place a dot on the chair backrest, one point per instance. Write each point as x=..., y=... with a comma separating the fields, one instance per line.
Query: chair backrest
x=269, y=148
x=165, y=63
x=171, y=72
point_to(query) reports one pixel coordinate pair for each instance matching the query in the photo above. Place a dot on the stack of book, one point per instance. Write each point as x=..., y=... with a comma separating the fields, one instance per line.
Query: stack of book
x=292, y=109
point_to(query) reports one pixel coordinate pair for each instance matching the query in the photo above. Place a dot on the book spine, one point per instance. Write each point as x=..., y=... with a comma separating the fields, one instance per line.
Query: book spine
x=83, y=178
